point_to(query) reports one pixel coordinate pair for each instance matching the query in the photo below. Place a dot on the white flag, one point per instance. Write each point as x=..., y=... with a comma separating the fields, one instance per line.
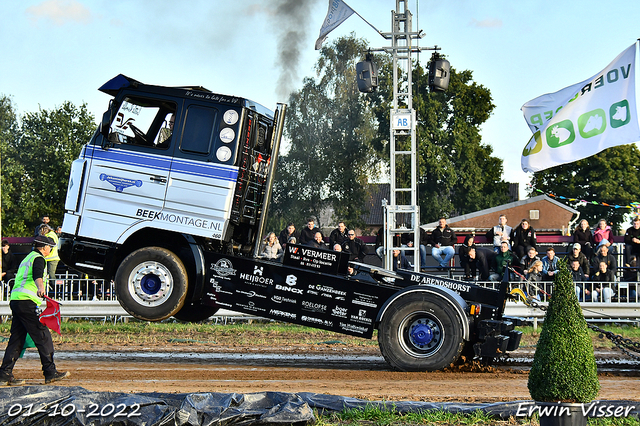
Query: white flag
x=338, y=13
x=585, y=118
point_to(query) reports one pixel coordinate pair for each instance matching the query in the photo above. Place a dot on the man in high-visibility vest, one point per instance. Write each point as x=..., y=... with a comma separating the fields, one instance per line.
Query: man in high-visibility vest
x=28, y=290
x=52, y=258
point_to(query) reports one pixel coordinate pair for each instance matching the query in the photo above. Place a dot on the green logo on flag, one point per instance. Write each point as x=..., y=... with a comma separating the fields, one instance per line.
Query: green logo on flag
x=560, y=134
x=534, y=146
x=619, y=113
x=592, y=123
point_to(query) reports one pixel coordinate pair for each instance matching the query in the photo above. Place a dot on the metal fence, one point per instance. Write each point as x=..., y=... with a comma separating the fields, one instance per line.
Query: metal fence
x=95, y=298
x=69, y=287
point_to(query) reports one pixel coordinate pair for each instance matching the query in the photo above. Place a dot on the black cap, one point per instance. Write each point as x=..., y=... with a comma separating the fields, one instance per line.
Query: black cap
x=41, y=241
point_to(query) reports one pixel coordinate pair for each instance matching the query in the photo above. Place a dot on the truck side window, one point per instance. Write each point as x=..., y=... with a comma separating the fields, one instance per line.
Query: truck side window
x=143, y=122
x=199, y=129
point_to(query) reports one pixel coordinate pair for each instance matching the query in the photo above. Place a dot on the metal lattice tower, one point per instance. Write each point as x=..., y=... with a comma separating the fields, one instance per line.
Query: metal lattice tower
x=402, y=213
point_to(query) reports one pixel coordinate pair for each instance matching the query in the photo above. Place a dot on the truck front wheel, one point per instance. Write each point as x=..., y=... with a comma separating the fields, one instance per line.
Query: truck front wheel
x=151, y=283
x=419, y=334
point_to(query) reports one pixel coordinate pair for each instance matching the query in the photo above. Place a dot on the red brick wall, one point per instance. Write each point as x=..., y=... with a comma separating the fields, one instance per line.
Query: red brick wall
x=552, y=216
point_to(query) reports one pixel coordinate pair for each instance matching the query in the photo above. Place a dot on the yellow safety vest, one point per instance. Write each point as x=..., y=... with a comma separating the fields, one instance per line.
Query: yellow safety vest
x=25, y=287
x=53, y=255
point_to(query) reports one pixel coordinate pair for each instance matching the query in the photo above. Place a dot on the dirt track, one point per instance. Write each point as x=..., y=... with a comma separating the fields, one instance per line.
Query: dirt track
x=364, y=375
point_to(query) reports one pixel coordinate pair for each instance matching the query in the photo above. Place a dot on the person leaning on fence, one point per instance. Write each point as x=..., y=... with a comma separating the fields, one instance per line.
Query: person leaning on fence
x=338, y=235
x=527, y=260
x=317, y=242
x=502, y=260
x=272, y=249
x=407, y=240
x=607, y=278
x=534, y=275
x=287, y=233
x=549, y=265
x=576, y=254
x=631, y=275
x=632, y=240
x=45, y=221
x=578, y=276
x=52, y=259
x=400, y=261
x=9, y=263
x=356, y=248
x=603, y=254
x=308, y=233
x=27, y=294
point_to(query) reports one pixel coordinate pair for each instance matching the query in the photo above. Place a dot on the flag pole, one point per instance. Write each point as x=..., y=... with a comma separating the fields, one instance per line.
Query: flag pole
x=370, y=24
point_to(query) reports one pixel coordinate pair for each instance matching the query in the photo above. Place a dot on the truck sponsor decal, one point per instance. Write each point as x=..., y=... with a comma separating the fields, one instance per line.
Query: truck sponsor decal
x=182, y=220
x=283, y=314
x=319, y=321
x=451, y=285
x=282, y=299
x=339, y=311
x=224, y=268
x=251, y=307
x=313, y=307
x=289, y=289
x=251, y=294
x=120, y=183
x=353, y=328
x=361, y=317
x=256, y=279
x=325, y=289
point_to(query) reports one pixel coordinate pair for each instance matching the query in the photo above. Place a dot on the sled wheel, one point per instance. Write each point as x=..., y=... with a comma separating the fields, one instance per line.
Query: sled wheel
x=420, y=332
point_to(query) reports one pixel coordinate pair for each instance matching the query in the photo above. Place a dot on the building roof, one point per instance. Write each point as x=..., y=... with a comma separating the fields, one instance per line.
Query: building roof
x=378, y=192
x=501, y=208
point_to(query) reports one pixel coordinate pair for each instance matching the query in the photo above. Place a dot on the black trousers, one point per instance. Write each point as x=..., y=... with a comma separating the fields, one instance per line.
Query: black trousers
x=25, y=320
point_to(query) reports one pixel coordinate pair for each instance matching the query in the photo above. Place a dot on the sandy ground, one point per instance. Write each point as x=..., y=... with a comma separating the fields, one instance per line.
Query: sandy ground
x=357, y=377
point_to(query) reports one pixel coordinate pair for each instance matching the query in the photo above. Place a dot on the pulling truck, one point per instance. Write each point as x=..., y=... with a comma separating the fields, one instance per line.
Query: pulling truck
x=169, y=199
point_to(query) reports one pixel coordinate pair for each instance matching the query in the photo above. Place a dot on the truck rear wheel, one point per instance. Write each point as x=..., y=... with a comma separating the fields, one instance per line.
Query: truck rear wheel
x=151, y=283
x=195, y=312
x=419, y=334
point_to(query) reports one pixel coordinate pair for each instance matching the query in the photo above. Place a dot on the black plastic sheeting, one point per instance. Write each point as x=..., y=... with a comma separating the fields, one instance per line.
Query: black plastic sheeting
x=57, y=405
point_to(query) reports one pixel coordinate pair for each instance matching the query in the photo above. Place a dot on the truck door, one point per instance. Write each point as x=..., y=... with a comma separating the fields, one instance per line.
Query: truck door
x=129, y=172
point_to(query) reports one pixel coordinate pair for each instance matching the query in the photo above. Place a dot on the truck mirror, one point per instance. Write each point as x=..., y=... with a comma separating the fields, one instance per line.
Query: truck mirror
x=105, y=123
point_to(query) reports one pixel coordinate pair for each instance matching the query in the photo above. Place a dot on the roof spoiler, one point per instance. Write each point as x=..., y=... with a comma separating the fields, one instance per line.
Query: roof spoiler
x=113, y=86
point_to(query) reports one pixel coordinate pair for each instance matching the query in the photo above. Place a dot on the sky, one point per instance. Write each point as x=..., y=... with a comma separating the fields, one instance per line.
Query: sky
x=64, y=50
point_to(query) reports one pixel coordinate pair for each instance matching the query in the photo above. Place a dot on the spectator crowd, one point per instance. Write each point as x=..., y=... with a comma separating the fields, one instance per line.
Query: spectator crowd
x=513, y=250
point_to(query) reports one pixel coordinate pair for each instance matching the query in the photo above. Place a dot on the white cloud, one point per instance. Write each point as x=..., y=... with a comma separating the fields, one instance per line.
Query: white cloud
x=60, y=12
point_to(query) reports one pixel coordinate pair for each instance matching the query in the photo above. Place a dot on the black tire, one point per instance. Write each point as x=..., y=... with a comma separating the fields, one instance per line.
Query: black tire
x=467, y=355
x=437, y=338
x=151, y=283
x=195, y=312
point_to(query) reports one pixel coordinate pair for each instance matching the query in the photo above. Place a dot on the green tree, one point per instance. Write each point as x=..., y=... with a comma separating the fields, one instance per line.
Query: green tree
x=611, y=176
x=457, y=172
x=12, y=171
x=564, y=366
x=330, y=128
x=42, y=154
